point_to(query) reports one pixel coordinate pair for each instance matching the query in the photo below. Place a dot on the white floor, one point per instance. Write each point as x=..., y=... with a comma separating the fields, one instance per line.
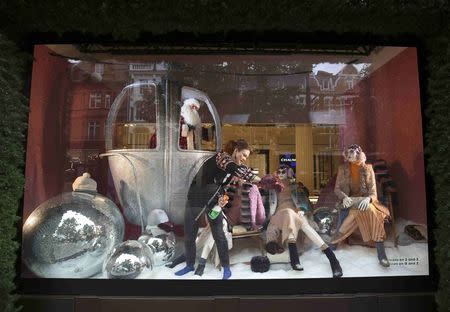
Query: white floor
x=356, y=261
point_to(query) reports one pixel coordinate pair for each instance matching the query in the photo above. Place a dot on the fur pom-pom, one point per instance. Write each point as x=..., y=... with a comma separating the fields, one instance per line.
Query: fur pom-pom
x=271, y=182
x=260, y=264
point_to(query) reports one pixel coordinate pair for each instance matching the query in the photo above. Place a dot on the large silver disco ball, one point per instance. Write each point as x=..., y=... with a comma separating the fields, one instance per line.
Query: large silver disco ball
x=162, y=246
x=326, y=220
x=70, y=235
x=128, y=260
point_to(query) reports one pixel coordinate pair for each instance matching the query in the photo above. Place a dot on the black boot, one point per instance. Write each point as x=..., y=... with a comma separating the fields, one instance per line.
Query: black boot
x=293, y=255
x=201, y=267
x=177, y=261
x=334, y=263
x=381, y=253
x=271, y=247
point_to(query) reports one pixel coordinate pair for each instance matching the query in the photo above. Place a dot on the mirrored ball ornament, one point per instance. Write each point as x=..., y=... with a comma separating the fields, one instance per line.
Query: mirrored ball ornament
x=128, y=260
x=162, y=246
x=70, y=235
x=326, y=220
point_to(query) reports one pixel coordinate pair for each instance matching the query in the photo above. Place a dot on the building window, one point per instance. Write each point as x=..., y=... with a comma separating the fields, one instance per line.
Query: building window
x=95, y=100
x=349, y=84
x=326, y=84
x=348, y=101
x=303, y=84
x=143, y=84
x=107, y=100
x=99, y=68
x=93, y=130
x=327, y=101
x=300, y=100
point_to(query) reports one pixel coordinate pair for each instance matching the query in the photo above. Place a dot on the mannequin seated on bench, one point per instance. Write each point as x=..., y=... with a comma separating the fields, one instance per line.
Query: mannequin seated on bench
x=289, y=219
x=358, y=199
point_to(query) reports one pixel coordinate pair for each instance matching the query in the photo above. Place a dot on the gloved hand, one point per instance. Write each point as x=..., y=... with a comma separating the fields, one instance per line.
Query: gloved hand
x=246, y=173
x=364, y=204
x=223, y=200
x=347, y=202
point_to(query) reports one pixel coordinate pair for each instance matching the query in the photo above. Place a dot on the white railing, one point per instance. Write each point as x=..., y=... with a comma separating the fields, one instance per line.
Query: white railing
x=141, y=67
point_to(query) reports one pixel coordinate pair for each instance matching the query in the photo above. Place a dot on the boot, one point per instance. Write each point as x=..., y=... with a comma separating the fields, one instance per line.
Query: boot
x=293, y=255
x=271, y=247
x=381, y=253
x=177, y=261
x=185, y=270
x=334, y=263
x=226, y=273
x=201, y=267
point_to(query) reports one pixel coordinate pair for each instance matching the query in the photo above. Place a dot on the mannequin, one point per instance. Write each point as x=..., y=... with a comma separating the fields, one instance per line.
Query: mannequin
x=356, y=189
x=201, y=197
x=289, y=218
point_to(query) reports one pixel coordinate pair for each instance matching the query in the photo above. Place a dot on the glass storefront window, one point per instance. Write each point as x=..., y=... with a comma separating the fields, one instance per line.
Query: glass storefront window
x=144, y=126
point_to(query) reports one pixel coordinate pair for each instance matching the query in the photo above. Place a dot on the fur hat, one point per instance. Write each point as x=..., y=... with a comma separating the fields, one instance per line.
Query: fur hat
x=84, y=183
x=157, y=216
x=260, y=264
x=357, y=151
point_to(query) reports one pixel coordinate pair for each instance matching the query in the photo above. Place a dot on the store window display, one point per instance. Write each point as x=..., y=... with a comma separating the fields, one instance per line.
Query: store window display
x=158, y=139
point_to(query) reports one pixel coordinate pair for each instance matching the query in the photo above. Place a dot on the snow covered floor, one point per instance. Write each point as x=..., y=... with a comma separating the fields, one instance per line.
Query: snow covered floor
x=356, y=261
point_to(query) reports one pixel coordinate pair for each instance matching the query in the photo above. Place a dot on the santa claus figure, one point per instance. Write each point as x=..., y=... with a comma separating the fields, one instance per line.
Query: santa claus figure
x=190, y=125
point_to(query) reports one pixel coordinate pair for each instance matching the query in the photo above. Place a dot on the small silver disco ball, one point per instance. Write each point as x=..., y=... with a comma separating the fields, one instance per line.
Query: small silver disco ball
x=70, y=235
x=326, y=220
x=128, y=260
x=162, y=246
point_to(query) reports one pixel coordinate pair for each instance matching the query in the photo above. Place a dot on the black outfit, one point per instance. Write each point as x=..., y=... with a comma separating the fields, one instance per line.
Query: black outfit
x=202, y=188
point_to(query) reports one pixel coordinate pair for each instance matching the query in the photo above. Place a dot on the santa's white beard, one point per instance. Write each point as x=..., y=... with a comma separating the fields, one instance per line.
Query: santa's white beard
x=191, y=117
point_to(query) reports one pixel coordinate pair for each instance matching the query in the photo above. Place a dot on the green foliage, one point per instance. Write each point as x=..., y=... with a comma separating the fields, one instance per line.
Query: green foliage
x=13, y=110
x=438, y=149
x=427, y=20
x=127, y=19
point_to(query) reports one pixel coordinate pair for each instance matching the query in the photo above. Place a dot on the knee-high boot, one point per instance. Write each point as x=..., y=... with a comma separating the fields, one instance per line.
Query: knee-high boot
x=293, y=256
x=381, y=253
x=334, y=263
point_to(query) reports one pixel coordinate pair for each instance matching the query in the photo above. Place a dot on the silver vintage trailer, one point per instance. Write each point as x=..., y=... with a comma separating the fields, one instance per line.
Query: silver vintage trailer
x=149, y=169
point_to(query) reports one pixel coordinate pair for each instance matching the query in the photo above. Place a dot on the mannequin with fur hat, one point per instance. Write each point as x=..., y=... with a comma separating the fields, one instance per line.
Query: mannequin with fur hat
x=356, y=189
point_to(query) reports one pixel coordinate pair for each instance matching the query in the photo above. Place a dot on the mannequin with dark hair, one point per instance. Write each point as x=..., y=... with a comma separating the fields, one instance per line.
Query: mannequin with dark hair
x=238, y=145
x=215, y=173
